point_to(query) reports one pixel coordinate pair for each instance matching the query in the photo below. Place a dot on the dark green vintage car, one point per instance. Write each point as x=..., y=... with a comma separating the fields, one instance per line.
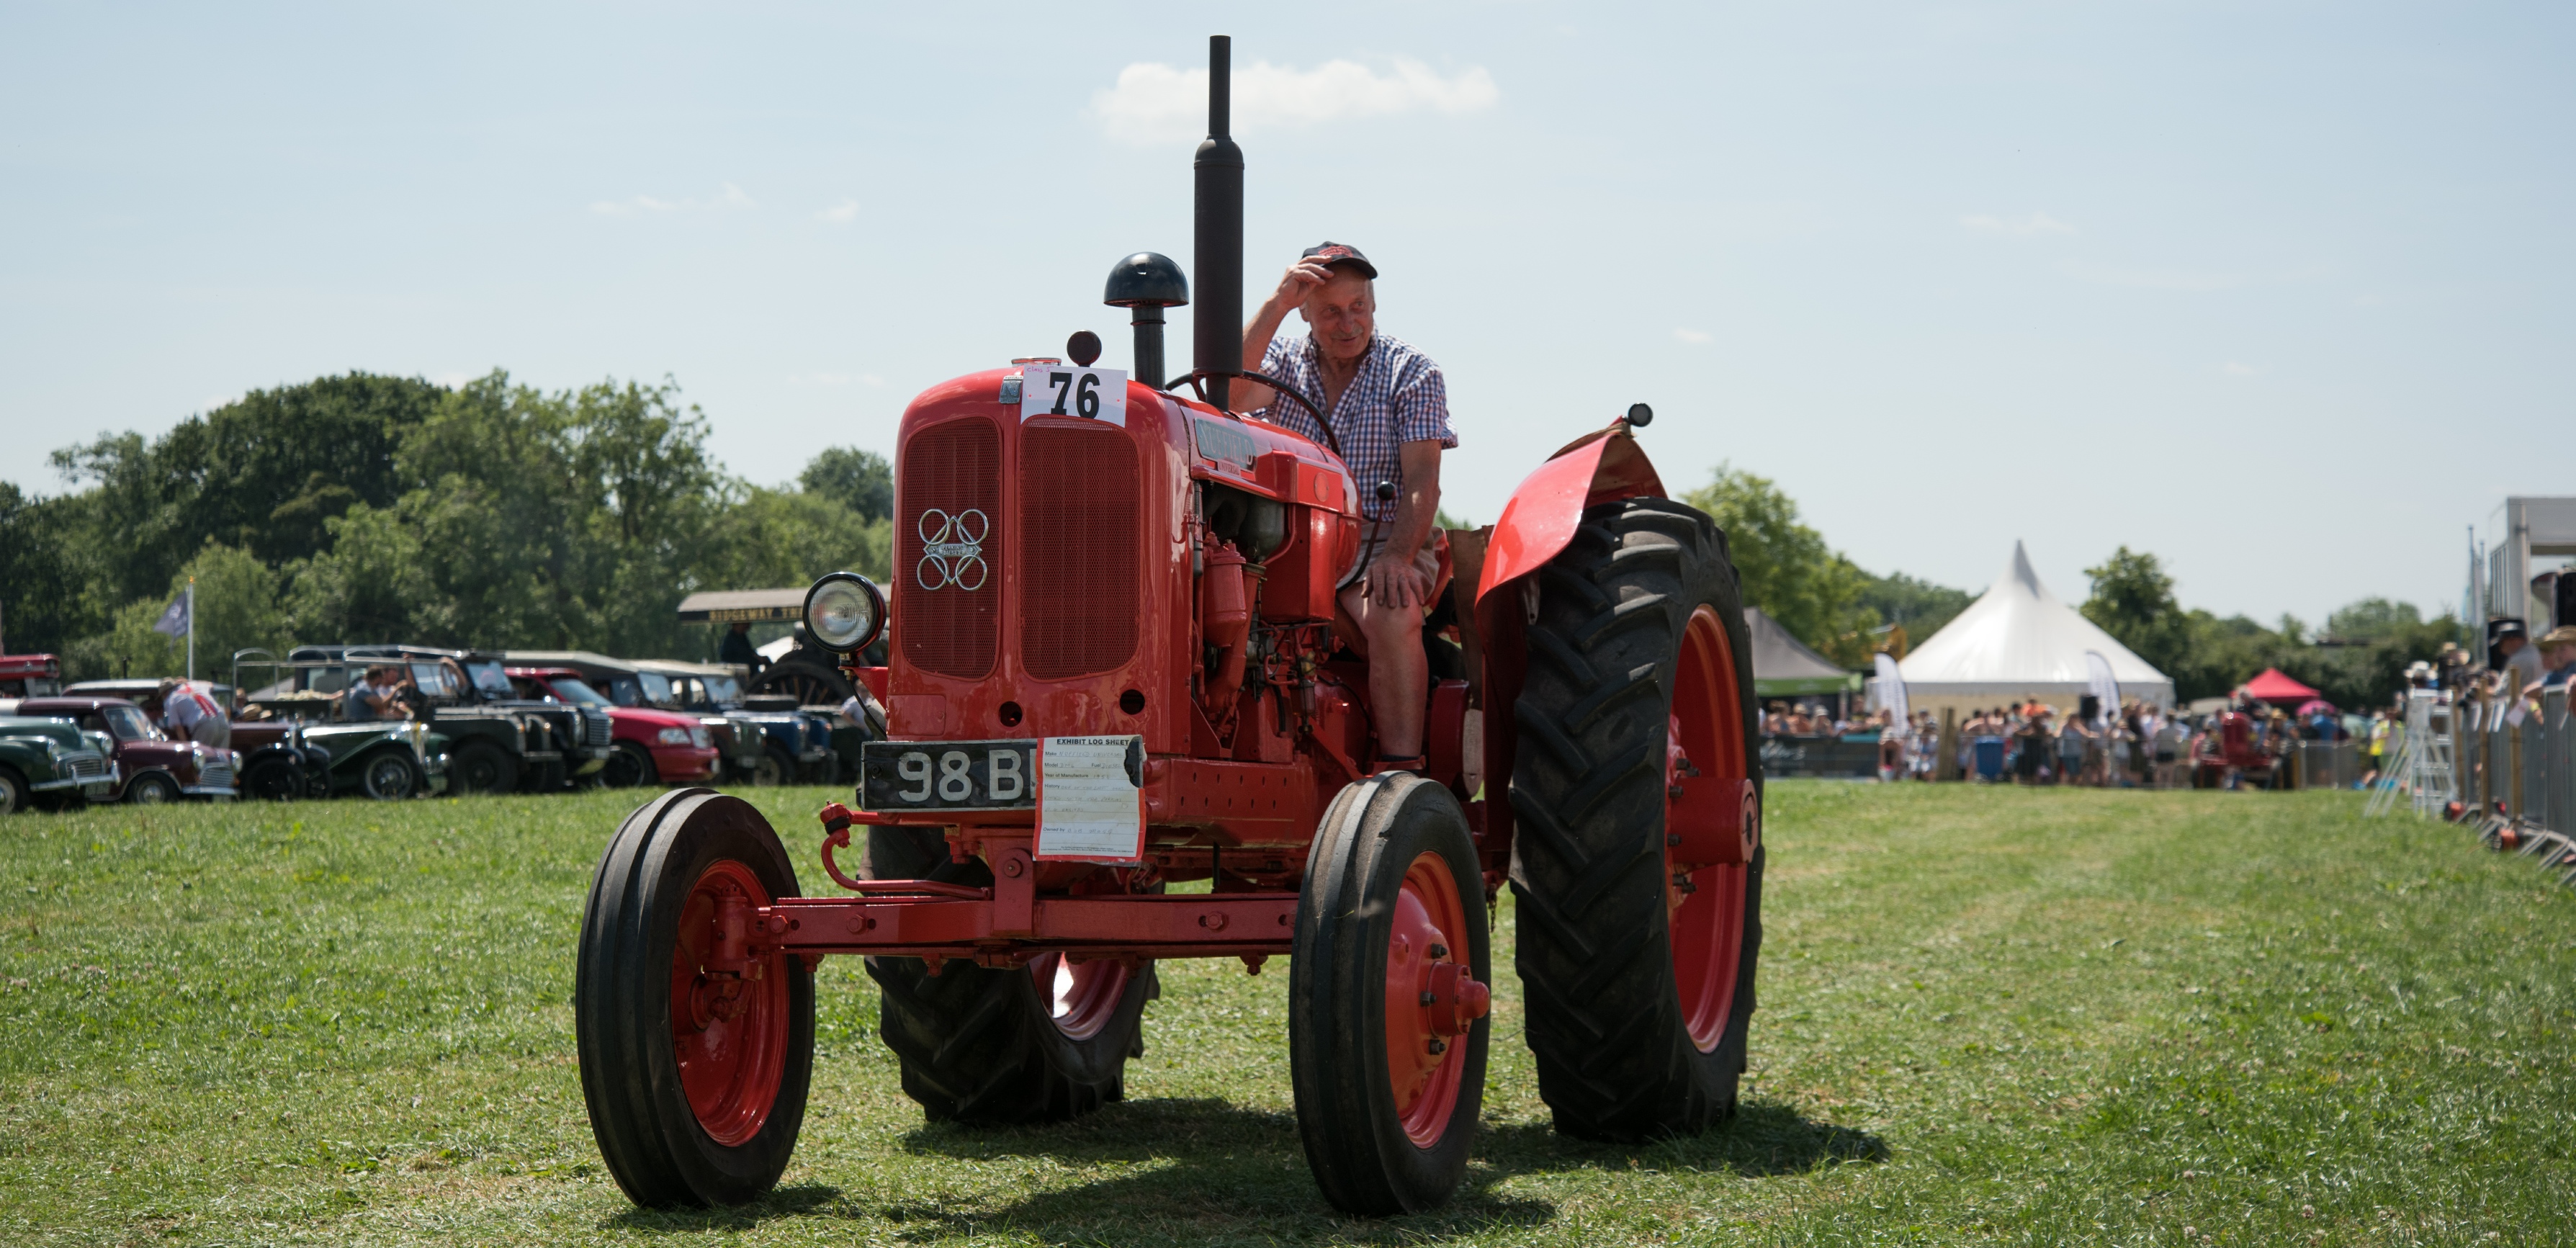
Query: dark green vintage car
x=51, y=764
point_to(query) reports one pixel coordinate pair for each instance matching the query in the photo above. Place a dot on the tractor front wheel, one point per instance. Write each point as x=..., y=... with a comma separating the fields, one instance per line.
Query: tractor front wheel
x=1638, y=962
x=982, y=1044
x=695, y=1052
x=1387, y=997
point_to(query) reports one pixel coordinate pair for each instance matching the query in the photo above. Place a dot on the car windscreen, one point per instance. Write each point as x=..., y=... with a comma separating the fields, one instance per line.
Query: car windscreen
x=128, y=723
x=657, y=688
x=436, y=680
x=490, y=679
x=571, y=690
x=723, y=690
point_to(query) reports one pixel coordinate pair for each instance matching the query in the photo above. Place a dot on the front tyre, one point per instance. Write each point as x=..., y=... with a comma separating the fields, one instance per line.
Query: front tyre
x=695, y=1065
x=983, y=1045
x=1387, y=998
x=389, y=776
x=1638, y=967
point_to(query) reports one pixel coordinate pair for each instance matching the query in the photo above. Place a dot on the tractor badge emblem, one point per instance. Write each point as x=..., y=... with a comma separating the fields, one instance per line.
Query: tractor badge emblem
x=952, y=550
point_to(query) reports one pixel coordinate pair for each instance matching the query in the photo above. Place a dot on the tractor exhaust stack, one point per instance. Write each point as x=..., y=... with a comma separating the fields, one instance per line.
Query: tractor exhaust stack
x=1217, y=326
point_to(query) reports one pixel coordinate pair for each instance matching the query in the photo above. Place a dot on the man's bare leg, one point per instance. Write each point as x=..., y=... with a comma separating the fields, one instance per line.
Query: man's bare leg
x=1399, y=675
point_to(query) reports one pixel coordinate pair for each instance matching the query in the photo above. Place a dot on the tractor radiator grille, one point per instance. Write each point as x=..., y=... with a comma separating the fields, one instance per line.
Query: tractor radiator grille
x=1078, y=572
x=947, y=613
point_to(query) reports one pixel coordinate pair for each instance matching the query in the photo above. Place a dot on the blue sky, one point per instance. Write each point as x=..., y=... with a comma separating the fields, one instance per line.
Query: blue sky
x=2279, y=291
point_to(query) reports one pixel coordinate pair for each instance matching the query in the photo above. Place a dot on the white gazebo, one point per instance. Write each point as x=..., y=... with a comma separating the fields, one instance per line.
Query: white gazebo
x=2018, y=644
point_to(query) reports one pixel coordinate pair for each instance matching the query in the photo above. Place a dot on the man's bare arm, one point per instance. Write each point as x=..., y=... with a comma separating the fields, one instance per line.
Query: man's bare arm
x=1393, y=579
x=1300, y=280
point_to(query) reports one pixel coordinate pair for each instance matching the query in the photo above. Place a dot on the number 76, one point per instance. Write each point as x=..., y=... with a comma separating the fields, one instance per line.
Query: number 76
x=1086, y=396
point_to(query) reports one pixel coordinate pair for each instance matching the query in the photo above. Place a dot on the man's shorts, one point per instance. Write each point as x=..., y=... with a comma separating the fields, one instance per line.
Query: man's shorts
x=1373, y=538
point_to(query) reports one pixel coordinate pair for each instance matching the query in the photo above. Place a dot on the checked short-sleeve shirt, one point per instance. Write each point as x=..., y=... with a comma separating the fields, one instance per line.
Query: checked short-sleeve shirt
x=1397, y=397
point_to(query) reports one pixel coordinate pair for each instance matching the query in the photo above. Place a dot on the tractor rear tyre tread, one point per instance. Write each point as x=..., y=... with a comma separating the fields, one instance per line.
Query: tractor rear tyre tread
x=976, y=1043
x=654, y=1144
x=1615, y=1057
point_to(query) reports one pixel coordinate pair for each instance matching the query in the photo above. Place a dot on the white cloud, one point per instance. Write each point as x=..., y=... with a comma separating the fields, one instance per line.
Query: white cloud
x=2149, y=279
x=730, y=197
x=841, y=213
x=1155, y=103
x=2035, y=223
x=1695, y=337
x=2234, y=369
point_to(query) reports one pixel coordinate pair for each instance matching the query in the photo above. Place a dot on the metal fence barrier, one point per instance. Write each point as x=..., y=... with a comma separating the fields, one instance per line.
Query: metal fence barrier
x=2507, y=771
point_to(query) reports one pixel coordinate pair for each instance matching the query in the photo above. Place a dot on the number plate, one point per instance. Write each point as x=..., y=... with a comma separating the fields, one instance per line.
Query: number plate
x=948, y=775
x=1059, y=390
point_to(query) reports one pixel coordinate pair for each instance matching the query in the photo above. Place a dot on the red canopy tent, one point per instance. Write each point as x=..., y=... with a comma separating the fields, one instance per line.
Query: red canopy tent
x=2277, y=689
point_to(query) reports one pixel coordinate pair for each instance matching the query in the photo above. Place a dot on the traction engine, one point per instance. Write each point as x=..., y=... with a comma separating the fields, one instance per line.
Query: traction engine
x=1127, y=723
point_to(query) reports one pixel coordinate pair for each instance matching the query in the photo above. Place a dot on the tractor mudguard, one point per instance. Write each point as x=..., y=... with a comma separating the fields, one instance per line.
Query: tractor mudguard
x=1600, y=467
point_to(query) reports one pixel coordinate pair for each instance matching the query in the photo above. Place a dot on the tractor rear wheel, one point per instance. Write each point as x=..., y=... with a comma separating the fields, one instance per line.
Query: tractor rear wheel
x=1387, y=997
x=992, y=1045
x=695, y=1065
x=1638, y=970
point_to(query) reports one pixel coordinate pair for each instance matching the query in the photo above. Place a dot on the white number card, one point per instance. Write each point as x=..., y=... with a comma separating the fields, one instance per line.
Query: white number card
x=1062, y=390
x=1091, y=798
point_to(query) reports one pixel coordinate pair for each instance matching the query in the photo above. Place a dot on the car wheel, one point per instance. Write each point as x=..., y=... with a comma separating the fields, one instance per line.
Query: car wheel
x=776, y=767
x=629, y=765
x=151, y=789
x=390, y=777
x=481, y=767
x=13, y=792
x=272, y=780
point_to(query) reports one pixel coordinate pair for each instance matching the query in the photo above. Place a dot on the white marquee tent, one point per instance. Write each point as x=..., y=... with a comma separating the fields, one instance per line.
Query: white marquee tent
x=2018, y=643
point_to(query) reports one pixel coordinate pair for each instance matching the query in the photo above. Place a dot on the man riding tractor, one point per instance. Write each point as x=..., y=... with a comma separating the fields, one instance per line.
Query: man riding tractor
x=1389, y=411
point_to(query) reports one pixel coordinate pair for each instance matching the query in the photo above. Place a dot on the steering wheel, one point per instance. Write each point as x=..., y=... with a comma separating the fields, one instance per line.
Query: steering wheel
x=1199, y=377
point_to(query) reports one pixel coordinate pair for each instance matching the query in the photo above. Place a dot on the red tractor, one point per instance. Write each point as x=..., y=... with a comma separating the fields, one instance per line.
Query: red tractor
x=1116, y=668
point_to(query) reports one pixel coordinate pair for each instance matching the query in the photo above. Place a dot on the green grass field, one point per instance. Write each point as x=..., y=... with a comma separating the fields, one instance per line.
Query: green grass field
x=1988, y=1016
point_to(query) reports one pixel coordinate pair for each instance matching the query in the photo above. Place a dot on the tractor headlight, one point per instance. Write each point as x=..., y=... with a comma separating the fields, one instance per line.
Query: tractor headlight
x=843, y=612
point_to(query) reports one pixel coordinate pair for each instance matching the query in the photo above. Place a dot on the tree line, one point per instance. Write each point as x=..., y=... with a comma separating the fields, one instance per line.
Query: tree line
x=491, y=514
x=1788, y=569
x=372, y=508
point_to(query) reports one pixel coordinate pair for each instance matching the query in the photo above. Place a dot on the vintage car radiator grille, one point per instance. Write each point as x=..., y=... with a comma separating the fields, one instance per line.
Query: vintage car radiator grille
x=91, y=767
x=596, y=727
x=947, y=614
x=215, y=776
x=1078, y=523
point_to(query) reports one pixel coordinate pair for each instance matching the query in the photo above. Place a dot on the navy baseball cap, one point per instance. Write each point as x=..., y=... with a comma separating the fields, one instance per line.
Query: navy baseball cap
x=1332, y=253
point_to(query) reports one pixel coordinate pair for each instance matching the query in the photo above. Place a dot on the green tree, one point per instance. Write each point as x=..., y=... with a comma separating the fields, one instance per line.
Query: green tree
x=44, y=599
x=1785, y=568
x=860, y=480
x=2132, y=599
x=237, y=608
x=1921, y=606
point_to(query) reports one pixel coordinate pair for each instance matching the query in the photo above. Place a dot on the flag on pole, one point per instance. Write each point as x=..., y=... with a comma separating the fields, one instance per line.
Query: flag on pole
x=174, y=621
x=1890, y=688
x=2106, y=689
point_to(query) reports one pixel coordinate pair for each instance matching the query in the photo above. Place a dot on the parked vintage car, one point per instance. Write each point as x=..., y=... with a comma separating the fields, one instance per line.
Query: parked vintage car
x=30, y=675
x=144, y=692
x=796, y=742
x=756, y=747
x=498, y=741
x=155, y=768
x=296, y=740
x=50, y=764
x=652, y=746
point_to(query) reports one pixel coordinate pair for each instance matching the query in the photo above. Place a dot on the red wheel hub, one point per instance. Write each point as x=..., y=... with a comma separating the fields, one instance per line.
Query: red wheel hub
x=1704, y=901
x=1081, y=996
x=728, y=1007
x=1430, y=998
